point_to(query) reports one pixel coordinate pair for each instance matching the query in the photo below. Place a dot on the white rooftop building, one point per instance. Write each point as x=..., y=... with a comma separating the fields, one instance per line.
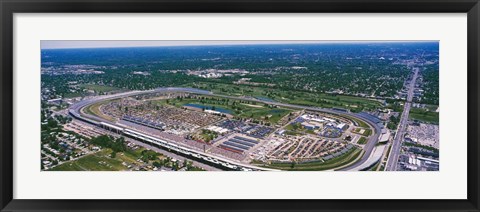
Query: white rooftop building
x=384, y=136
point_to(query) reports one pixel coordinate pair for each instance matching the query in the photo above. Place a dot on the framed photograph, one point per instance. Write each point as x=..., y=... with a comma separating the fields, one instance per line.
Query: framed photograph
x=226, y=106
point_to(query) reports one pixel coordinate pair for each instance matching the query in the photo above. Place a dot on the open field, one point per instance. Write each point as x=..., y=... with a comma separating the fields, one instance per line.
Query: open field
x=252, y=110
x=367, y=132
x=424, y=115
x=364, y=132
x=359, y=122
x=297, y=129
x=100, y=161
x=72, y=95
x=94, y=109
x=292, y=97
x=362, y=140
x=342, y=160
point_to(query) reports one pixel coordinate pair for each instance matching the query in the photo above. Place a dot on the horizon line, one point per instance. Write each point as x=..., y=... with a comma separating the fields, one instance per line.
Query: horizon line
x=74, y=44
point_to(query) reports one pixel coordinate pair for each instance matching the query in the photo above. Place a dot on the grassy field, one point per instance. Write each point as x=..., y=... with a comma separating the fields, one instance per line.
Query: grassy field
x=374, y=168
x=424, y=115
x=99, y=88
x=94, y=109
x=72, y=95
x=298, y=129
x=253, y=110
x=366, y=132
x=342, y=160
x=270, y=115
x=359, y=122
x=293, y=97
x=101, y=161
x=362, y=140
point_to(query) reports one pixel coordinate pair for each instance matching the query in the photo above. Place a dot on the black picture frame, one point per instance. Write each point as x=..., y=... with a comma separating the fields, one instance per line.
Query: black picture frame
x=9, y=7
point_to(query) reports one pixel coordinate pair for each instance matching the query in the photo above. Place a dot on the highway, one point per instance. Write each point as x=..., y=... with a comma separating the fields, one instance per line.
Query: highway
x=397, y=141
x=368, y=148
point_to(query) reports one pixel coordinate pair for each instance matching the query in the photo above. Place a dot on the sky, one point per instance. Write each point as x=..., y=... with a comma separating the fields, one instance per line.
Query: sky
x=63, y=44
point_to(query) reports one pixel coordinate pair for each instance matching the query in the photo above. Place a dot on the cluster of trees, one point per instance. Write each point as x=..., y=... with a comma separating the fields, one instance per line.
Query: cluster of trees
x=63, y=119
x=148, y=155
x=105, y=141
x=51, y=125
x=167, y=162
x=208, y=135
x=352, y=68
x=430, y=85
x=393, y=123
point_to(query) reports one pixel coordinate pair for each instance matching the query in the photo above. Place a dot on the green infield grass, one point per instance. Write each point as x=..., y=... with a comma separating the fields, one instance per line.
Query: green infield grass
x=342, y=160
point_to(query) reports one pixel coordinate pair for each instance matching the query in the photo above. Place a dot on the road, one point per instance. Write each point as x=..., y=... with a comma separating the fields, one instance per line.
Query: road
x=368, y=148
x=397, y=141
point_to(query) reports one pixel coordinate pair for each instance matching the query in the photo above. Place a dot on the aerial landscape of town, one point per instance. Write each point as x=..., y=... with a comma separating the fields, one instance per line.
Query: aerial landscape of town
x=259, y=106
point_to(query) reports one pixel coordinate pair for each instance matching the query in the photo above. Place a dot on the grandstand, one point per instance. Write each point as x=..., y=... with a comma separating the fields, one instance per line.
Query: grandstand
x=371, y=118
x=238, y=144
x=136, y=120
x=246, y=139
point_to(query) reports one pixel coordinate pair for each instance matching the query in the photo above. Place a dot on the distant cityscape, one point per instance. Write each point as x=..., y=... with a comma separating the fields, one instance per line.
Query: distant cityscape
x=353, y=106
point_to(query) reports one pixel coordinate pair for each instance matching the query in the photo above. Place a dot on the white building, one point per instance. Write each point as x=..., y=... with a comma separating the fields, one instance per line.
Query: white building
x=342, y=126
x=385, y=136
